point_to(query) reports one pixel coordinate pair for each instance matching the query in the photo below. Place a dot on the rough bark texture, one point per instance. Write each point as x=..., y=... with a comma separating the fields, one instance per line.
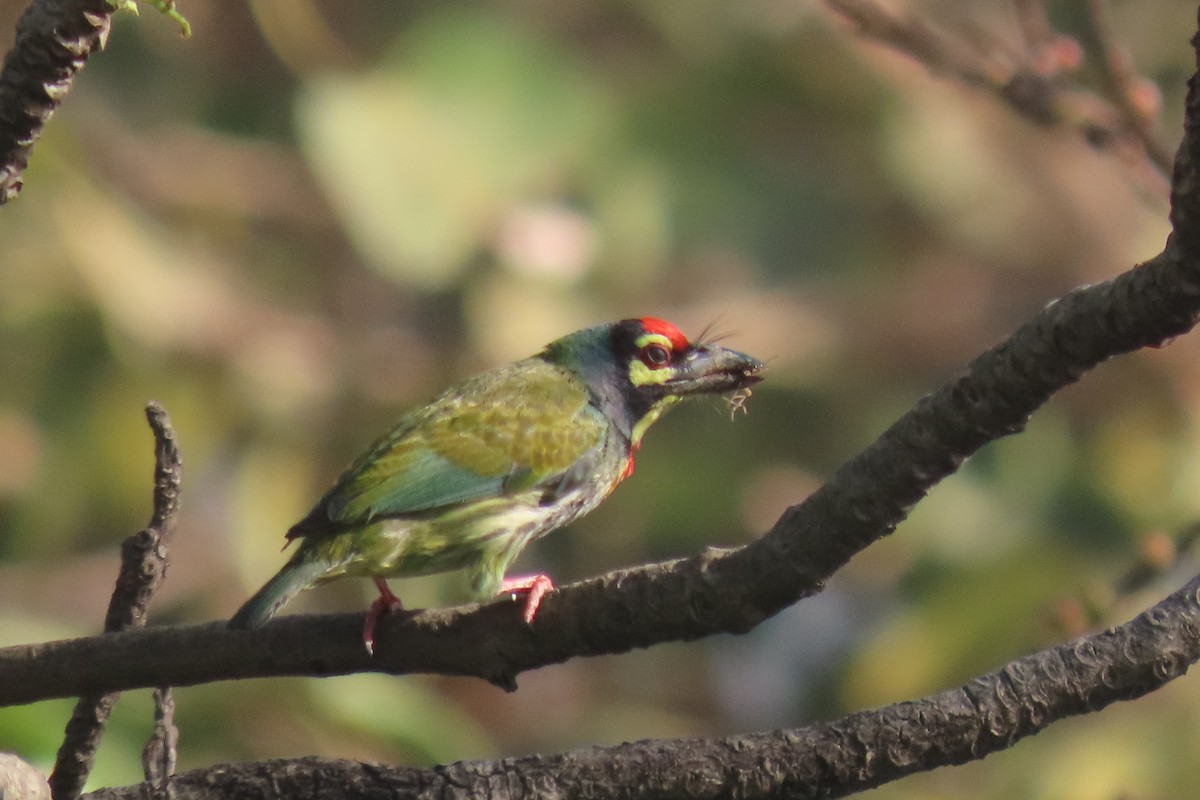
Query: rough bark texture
x=714, y=592
x=858, y=752
x=54, y=39
x=143, y=567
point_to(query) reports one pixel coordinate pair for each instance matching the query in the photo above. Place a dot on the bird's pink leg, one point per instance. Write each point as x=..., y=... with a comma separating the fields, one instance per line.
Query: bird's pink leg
x=384, y=604
x=534, y=587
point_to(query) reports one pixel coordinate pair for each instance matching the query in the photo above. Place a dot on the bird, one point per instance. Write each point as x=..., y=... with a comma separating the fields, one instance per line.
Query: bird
x=502, y=459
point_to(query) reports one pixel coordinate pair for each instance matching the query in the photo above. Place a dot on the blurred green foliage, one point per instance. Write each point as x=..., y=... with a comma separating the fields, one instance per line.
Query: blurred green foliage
x=310, y=216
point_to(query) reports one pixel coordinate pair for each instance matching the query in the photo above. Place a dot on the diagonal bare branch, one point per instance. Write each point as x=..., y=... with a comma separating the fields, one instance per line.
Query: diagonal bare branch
x=716, y=591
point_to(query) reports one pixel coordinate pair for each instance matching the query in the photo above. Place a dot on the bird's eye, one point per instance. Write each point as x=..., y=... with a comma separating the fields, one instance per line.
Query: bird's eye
x=655, y=356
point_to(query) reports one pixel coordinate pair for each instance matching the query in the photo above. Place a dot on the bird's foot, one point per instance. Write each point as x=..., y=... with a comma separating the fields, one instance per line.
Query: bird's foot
x=386, y=603
x=534, y=587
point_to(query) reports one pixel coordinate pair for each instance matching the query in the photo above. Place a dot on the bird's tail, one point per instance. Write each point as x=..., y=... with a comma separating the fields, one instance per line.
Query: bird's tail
x=295, y=576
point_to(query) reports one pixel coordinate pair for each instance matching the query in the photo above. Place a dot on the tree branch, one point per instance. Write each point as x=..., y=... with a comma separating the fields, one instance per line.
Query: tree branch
x=54, y=40
x=143, y=566
x=860, y=751
x=1026, y=78
x=714, y=592
x=1123, y=85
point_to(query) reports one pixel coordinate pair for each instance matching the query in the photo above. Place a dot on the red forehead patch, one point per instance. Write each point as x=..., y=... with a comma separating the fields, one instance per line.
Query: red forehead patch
x=678, y=341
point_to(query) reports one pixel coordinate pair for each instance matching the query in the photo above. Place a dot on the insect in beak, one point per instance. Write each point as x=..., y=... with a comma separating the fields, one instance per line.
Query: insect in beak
x=737, y=402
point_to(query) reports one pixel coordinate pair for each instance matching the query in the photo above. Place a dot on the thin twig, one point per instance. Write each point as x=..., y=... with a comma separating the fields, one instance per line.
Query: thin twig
x=1024, y=78
x=1123, y=85
x=912, y=35
x=1034, y=24
x=159, y=755
x=143, y=567
x=1115, y=62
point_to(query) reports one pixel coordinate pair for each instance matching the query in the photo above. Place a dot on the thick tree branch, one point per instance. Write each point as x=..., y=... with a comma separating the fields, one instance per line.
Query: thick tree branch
x=858, y=752
x=54, y=40
x=143, y=566
x=717, y=591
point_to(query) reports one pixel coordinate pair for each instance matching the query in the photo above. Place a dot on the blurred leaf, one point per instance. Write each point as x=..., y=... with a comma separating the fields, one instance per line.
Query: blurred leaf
x=421, y=157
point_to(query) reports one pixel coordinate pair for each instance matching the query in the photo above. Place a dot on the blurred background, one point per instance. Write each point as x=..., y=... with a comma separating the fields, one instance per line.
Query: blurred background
x=313, y=215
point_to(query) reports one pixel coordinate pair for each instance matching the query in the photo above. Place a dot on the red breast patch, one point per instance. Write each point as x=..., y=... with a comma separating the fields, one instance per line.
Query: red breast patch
x=629, y=464
x=628, y=470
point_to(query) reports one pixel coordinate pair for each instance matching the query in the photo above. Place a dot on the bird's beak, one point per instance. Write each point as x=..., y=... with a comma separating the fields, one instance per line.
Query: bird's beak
x=709, y=369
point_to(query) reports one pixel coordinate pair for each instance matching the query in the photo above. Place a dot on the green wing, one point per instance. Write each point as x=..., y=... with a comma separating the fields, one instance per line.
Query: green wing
x=500, y=433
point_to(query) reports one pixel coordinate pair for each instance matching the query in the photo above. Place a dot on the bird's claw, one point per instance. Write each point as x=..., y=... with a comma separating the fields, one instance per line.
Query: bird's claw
x=386, y=603
x=534, y=587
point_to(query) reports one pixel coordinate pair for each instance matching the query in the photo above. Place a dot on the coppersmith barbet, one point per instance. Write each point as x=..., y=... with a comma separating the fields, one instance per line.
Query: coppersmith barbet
x=504, y=458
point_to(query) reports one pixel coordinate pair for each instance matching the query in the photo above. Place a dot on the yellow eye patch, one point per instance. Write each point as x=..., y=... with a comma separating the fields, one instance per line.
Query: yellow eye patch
x=641, y=373
x=653, y=338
